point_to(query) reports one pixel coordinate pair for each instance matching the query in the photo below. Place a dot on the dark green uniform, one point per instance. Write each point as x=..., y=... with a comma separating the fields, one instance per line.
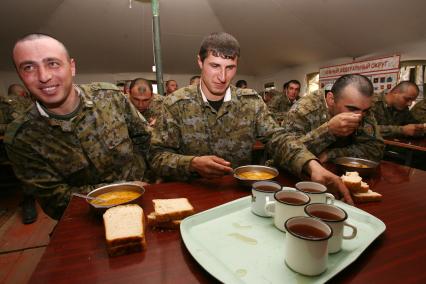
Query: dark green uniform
x=389, y=119
x=11, y=106
x=306, y=136
x=191, y=127
x=419, y=111
x=279, y=104
x=104, y=142
x=154, y=109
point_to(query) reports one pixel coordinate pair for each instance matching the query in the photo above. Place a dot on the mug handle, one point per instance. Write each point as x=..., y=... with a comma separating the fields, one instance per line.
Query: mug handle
x=329, y=197
x=270, y=208
x=354, y=231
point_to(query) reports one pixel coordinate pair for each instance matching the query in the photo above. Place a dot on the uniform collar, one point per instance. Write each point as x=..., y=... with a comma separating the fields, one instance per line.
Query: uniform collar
x=226, y=98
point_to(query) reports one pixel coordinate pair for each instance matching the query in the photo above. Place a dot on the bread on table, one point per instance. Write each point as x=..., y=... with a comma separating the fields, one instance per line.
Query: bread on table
x=124, y=229
x=368, y=196
x=359, y=189
x=168, y=213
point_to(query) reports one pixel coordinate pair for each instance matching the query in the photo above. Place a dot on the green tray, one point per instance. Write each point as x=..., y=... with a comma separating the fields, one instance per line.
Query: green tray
x=236, y=246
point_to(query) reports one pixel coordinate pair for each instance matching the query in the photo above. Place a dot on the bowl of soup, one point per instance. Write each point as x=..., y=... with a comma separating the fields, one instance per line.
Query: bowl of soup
x=363, y=166
x=115, y=194
x=248, y=175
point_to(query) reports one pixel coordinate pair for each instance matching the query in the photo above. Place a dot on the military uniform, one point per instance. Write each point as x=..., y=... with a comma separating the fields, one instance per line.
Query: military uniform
x=154, y=109
x=11, y=106
x=389, y=119
x=279, y=104
x=189, y=126
x=104, y=142
x=419, y=111
x=306, y=136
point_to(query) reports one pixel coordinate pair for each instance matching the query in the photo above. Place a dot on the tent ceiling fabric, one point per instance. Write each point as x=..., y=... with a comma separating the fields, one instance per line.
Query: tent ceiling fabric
x=105, y=36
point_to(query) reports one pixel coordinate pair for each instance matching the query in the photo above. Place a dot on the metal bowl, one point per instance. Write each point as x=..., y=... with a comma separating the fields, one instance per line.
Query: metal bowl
x=254, y=168
x=126, y=186
x=363, y=166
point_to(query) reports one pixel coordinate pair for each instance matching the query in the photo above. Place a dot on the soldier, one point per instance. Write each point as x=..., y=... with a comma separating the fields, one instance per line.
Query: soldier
x=209, y=129
x=280, y=103
x=341, y=124
x=195, y=80
x=12, y=105
x=392, y=113
x=419, y=111
x=171, y=86
x=241, y=84
x=74, y=138
x=148, y=103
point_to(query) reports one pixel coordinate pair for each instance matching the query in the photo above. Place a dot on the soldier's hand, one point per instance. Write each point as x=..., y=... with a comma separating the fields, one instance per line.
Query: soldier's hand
x=210, y=166
x=412, y=129
x=323, y=157
x=344, y=124
x=333, y=183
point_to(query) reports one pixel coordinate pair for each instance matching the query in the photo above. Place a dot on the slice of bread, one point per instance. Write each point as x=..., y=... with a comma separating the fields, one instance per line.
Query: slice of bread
x=172, y=209
x=153, y=222
x=368, y=196
x=124, y=229
x=353, y=182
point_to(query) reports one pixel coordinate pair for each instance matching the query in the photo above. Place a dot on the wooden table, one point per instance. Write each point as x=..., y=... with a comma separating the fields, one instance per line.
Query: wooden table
x=77, y=251
x=418, y=144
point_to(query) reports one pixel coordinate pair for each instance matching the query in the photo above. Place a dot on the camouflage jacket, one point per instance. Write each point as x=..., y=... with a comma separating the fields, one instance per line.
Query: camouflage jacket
x=389, y=119
x=279, y=104
x=154, y=109
x=11, y=106
x=105, y=142
x=190, y=127
x=306, y=136
x=419, y=111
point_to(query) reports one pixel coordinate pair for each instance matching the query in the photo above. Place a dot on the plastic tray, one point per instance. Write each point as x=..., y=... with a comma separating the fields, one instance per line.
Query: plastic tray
x=236, y=246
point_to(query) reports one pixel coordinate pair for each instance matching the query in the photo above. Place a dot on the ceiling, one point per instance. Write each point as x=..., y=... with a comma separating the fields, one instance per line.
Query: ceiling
x=106, y=36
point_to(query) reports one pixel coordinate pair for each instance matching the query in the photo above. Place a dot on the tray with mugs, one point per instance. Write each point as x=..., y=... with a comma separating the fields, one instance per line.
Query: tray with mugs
x=249, y=247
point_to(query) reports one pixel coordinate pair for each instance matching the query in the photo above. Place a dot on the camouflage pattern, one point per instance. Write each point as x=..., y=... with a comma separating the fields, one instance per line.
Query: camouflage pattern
x=279, y=104
x=154, y=109
x=189, y=127
x=419, y=111
x=389, y=119
x=306, y=136
x=105, y=142
x=11, y=106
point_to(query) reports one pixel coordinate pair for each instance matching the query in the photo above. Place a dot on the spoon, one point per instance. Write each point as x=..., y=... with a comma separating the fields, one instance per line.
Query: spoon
x=88, y=197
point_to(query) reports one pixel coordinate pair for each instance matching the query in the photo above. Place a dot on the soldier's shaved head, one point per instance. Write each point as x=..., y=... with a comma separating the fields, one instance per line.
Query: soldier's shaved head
x=35, y=36
x=403, y=87
x=359, y=82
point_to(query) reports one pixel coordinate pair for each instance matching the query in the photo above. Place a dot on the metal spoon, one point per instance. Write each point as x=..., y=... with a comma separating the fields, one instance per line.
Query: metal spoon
x=89, y=197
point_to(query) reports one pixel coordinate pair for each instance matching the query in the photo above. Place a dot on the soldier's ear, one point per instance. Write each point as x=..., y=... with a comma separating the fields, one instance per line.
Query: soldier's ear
x=329, y=98
x=72, y=62
x=200, y=63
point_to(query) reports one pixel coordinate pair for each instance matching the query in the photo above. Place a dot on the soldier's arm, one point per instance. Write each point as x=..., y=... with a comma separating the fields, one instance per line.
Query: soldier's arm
x=368, y=144
x=40, y=179
x=315, y=140
x=390, y=130
x=163, y=157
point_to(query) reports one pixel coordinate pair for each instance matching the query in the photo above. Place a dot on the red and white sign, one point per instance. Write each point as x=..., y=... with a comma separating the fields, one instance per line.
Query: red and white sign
x=383, y=72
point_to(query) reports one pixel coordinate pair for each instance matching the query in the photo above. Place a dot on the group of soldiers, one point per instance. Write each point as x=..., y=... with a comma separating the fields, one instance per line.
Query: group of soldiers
x=74, y=138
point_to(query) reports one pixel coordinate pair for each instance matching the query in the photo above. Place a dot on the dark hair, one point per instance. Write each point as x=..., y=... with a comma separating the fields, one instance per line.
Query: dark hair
x=403, y=86
x=34, y=36
x=286, y=85
x=193, y=78
x=360, y=82
x=241, y=83
x=148, y=82
x=168, y=81
x=219, y=44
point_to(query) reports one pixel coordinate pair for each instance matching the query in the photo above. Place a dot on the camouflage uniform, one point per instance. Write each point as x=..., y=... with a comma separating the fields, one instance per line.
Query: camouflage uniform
x=389, y=119
x=190, y=127
x=279, y=105
x=419, y=111
x=306, y=136
x=104, y=142
x=11, y=106
x=154, y=109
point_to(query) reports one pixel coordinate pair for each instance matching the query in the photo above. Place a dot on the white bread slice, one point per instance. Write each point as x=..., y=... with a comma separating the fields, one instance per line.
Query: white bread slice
x=367, y=196
x=364, y=187
x=353, y=182
x=172, y=209
x=124, y=229
x=153, y=222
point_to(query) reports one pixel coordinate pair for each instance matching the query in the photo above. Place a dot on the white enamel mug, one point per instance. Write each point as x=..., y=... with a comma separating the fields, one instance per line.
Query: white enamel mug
x=316, y=191
x=262, y=192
